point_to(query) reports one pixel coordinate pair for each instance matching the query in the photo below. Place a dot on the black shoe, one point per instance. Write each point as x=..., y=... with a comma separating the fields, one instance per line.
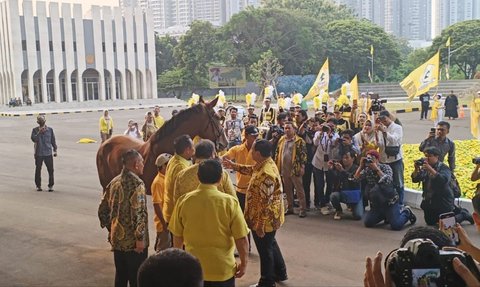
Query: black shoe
x=50, y=189
x=411, y=215
x=289, y=212
x=281, y=278
x=39, y=188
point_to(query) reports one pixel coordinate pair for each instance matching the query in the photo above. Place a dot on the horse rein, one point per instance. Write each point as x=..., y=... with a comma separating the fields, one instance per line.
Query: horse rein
x=216, y=129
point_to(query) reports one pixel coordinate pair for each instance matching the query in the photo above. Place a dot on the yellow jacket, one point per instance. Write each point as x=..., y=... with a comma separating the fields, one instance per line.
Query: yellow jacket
x=105, y=126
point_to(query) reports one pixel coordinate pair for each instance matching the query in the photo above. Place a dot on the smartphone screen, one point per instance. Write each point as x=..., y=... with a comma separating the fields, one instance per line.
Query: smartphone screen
x=448, y=220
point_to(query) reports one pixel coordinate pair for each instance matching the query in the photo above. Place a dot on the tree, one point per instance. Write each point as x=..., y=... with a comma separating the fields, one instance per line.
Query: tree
x=195, y=50
x=465, y=41
x=172, y=81
x=349, y=49
x=267, y=70
x=413, y=60
x=324, y=11
x=164, y=47
x=295, y=39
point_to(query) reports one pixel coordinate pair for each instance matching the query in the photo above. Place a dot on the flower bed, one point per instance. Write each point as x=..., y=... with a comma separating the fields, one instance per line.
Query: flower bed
x=465, y=151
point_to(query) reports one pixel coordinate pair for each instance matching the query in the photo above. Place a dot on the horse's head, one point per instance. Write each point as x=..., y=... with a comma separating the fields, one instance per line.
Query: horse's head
x=213, y=130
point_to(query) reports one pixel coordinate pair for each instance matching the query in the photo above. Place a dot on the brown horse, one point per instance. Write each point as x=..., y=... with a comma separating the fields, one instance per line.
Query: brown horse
x=199, y=120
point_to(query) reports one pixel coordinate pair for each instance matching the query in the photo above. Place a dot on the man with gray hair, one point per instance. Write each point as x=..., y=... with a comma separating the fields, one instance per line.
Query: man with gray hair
x=45, y=142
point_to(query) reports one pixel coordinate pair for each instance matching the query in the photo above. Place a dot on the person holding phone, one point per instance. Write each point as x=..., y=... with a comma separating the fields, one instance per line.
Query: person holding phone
x=437, y=137
x=437, y=194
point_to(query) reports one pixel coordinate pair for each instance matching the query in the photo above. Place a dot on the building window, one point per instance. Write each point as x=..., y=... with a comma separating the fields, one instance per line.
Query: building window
x=103, y=47
x=37, y=44
x=50, y=46
x=135, y=47
x=24, y=45
x=63, y=46
x=146, y=48
x=114, y=47
x=125, y=47
x=74, y=46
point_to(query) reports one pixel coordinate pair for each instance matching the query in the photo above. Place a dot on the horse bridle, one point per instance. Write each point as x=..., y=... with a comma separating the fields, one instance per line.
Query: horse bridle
x=216, y=129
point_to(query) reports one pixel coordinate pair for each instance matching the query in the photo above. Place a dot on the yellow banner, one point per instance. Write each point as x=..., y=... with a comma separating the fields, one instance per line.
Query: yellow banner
x=321, y=82
x=422, y=78
x=354, y=88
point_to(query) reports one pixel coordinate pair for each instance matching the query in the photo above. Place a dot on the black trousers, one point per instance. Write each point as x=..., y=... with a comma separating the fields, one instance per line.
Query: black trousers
x=241, y=201
x=126, y=266
x=424, y=111
x=272, y=265
x=227, y=283
x=38, y=169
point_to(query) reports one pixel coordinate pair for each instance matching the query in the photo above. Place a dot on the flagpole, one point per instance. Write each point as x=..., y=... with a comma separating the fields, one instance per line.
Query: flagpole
x=448, y=77
x=373, y=77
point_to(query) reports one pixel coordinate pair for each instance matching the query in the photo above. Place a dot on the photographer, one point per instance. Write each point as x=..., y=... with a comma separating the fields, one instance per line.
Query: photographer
x=132, y=130
x=275, y=132
x=342, y=172
x=438, y=138
x=324, y=140
x=383, y=198
x=437, y=194
x=344, y=143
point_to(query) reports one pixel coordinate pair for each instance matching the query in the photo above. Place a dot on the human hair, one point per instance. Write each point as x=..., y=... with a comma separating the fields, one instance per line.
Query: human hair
x=432, y=150
x=170, y=267
x=233, y=109
x=204, y=149
x=444, y=123
x=264, y=147
x=374, y=153
x=303, y=113
x=438, y=237
x=282, y=116
x=292, y=124
x=129, y=156
x=351, y=133
x=210, y=171
x=353, y=154
x=181, y=143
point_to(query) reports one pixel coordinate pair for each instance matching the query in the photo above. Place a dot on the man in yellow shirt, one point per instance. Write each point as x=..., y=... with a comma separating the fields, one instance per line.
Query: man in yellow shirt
x=210, y=224
x=264, y=211
x=242, y=154
x=187, y=180
x=184, y=151
x=163, y=240
x=159, y=121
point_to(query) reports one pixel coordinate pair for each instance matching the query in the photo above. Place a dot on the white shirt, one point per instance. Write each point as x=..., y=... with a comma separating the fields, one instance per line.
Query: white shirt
x=324, y=145
x=393, y=135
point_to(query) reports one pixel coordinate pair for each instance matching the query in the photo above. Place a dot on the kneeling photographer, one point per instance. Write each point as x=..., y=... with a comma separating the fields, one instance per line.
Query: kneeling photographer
x=384, y=205
x=437, y=194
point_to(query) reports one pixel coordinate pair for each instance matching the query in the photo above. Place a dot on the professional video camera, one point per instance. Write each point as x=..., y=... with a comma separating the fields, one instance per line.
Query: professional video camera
x=277, y=129
x=476, y=160
x=377, y=103
x=421, y=263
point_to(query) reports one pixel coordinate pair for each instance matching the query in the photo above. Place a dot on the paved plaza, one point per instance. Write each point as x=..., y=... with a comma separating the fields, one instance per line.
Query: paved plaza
x=54, y=239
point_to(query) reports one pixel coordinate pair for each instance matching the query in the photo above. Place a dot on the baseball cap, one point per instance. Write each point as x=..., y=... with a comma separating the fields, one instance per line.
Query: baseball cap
x=251, y=130
x=162, y=159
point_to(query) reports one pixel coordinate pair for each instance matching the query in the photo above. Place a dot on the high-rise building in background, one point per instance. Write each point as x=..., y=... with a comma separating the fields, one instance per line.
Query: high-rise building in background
x=416, y=20
x=173, y=16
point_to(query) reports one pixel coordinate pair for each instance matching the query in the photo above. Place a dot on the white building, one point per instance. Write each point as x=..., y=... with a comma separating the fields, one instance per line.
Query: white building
x=55, y=55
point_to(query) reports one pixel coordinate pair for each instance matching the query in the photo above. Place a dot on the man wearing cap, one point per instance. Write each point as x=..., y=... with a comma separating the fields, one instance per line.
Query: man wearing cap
x=187, y=180
x=391, y=149
x=44, y=142
x=163, y=240
x=437, y=194
x=242, y=154
x=267, y=113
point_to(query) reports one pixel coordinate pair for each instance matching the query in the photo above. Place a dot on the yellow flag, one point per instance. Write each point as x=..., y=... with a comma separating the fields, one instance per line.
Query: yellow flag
x=422, y=78
x=448, y=42
x=354, y=88
x=371, y=50
x=321, y=82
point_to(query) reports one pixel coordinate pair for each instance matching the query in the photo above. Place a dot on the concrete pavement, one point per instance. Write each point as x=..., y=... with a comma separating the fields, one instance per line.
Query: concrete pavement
x=54, y=239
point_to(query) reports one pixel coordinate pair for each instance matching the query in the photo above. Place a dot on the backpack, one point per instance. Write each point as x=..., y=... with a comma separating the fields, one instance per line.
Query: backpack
x=457, y=192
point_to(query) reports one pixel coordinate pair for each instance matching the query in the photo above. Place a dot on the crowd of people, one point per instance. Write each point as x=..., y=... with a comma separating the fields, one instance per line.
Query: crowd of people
x=353, y=155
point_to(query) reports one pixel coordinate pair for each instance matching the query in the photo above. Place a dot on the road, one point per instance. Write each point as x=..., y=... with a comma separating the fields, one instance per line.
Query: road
x=54, y=239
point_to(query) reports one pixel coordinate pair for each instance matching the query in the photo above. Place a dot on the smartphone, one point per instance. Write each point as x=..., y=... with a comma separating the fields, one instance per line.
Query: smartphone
x=448, y=220
x=432, y=130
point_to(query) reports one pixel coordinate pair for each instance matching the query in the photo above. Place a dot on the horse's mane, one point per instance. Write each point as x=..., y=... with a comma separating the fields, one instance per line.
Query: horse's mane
x=172, y=124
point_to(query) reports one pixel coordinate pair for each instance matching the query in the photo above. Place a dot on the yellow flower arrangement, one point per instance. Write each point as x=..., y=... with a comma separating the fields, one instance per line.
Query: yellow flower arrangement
x=465, y=150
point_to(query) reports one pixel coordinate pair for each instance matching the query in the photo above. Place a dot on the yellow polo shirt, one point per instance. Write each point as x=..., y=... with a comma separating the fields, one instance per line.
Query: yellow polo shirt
x=187, y=181
x=158, y=194
x=175, y=165
x=159, y=121
x=209, y=221
x=241, y=155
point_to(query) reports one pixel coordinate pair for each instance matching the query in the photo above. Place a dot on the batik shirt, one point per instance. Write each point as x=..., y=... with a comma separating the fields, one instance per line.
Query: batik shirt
x=123, y=211
x=264, y=202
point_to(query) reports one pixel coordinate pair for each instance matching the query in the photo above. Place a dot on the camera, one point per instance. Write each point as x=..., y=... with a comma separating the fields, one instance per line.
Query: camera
x=325, y=128
x=421, y=263
x=277, y=129
x=419, y=162
x=476, y=160
x=377, y=104
x=368, y=160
